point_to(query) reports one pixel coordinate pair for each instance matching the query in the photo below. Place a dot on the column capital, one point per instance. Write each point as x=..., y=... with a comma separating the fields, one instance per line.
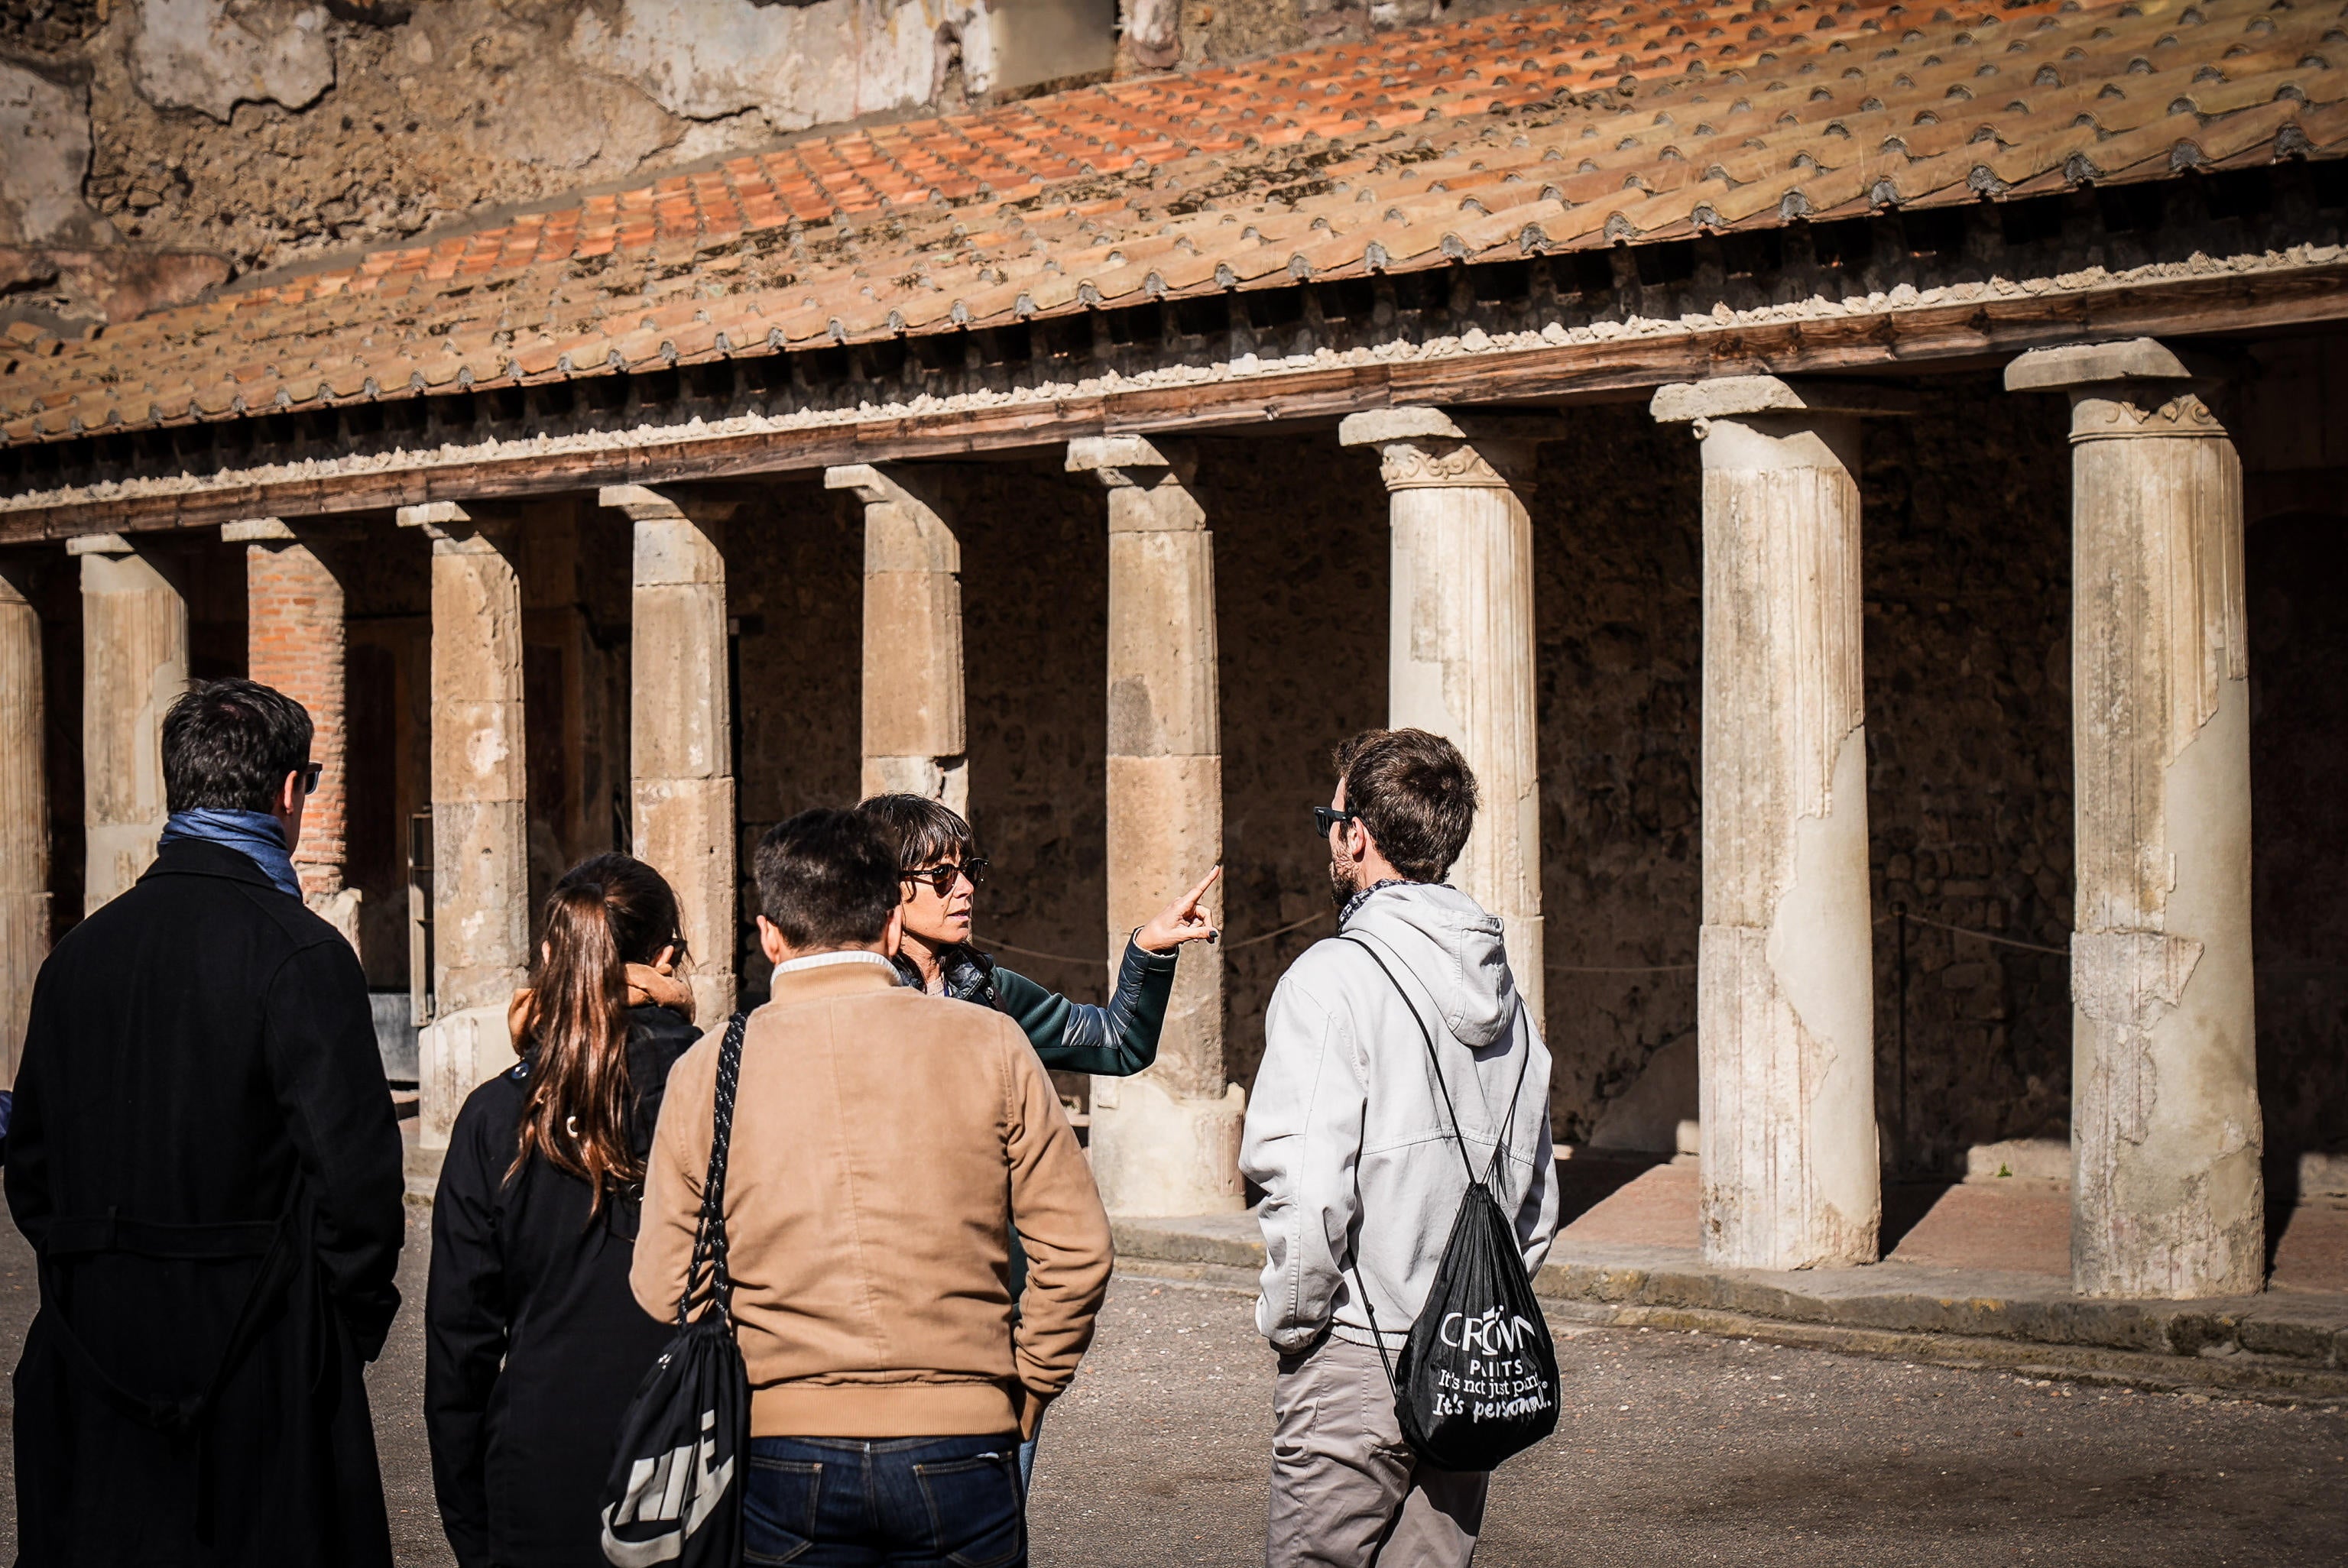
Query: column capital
x=1698, y=403
x=2083, y=365
x=2136, y=389
x=920, y=540
x=98, y=545
x=1121, y=461
x=257, y=531
x=645, y=504
x=1434, y=449
x=876, y=486
x=467, y=528
x=280, y=531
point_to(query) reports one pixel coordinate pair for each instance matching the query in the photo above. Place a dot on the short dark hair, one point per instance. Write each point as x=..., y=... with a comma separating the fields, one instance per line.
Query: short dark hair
x=1415, y=795
x=924, y=832
x=826, y=878
x=229, y=744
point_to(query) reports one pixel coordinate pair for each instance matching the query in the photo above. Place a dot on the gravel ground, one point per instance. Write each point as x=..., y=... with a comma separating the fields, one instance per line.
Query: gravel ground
x=1674, y=1448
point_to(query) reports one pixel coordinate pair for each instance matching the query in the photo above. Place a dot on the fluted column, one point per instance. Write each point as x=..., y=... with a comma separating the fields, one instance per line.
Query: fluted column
x=914, y=735
x=24, y=814
x=1167, y=1141
x=1790, y=1171
x=2166, y=1196
x=1461, y=659
x=134, y=665
x=294, y=642
x=480, y=862
x=680, y=724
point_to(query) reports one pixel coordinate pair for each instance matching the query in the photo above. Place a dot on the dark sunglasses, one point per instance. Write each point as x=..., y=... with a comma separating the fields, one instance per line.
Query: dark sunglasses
x=310, y=777
x=1325, y=817
x=942, y=877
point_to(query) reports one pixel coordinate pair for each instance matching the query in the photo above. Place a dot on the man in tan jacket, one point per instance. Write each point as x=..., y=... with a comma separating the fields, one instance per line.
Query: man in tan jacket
x=883, y=1142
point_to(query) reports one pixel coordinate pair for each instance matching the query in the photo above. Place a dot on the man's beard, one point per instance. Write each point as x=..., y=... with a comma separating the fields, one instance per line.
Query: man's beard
x=1344, y=880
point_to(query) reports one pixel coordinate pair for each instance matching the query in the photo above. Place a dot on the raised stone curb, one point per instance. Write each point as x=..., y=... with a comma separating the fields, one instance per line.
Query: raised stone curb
x=2278, y=1336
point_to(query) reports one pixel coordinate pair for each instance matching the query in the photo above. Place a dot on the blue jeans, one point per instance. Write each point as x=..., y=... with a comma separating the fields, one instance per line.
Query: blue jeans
x=885, y=1503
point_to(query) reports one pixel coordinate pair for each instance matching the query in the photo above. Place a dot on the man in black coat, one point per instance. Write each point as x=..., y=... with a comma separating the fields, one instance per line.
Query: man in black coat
x=205, y=1158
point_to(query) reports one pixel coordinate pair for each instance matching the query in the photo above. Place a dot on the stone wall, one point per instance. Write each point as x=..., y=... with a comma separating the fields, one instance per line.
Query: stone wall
x=1967, y=577
x=1618, y=550
x=2295, y=455
x=1301, y=585
x=794, y=561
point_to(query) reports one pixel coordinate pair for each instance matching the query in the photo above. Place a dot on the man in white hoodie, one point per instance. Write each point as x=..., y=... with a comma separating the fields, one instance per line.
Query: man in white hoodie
x=1349, y=1138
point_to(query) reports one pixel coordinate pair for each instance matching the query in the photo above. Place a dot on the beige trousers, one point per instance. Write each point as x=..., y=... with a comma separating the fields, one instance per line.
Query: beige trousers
x=1346, y=1491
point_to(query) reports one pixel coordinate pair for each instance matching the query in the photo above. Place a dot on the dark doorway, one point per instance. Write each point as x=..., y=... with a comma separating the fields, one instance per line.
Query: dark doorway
x=2297, y=589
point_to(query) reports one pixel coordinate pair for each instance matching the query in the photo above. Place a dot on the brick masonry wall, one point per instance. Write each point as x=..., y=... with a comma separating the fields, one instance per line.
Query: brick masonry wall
x=295, y=641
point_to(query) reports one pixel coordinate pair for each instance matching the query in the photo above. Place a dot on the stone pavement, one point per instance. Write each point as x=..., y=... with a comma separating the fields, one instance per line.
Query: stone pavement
x=1674, y=1448
x=1978, y=1272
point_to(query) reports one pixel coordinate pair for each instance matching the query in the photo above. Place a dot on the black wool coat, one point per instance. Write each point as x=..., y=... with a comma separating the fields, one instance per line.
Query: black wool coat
x=533, y=1342
x=203, y=1139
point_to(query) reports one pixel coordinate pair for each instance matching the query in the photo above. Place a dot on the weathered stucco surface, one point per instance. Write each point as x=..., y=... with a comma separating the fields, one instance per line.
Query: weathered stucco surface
x=45, y=133
x=797, y=65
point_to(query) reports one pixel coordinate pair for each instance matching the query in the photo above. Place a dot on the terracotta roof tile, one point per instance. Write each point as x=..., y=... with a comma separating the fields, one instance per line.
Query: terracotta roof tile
x=1470, y=140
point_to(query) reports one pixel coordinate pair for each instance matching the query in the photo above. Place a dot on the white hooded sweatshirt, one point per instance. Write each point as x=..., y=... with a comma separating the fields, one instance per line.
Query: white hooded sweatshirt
x=1348, y=1135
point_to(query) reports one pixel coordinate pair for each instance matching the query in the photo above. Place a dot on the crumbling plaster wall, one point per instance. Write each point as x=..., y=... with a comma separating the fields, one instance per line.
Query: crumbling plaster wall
x=242, y=135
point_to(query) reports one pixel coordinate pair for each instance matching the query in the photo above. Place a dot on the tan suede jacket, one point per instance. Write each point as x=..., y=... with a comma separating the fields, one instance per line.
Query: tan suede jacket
x=883, y=1140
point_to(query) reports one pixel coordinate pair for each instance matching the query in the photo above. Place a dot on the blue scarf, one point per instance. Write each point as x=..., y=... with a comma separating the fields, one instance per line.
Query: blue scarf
x=254, y=834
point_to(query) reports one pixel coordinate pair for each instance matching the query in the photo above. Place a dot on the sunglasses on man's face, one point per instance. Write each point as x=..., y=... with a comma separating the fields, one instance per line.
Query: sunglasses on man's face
x=310, y=777
x=943, y=877
x=1325, y=817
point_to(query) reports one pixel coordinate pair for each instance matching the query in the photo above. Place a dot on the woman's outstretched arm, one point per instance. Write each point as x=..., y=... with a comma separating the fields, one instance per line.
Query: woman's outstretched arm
x=1121, y=1038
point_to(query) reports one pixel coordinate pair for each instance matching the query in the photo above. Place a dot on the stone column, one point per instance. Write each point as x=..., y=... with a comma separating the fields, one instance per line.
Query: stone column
x=1790, y=1173
x=294, y=642
x=680, y=725
x=481, y=860
x=1461, y=649
x=1167, y=1141
x=134, y=665
x=24, y=814
x=2166, y=1196
x=912, y=639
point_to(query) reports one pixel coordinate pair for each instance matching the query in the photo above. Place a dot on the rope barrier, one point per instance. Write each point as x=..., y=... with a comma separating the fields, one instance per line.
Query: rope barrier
x=1985, y=936
x=1553, y=969
x=1227, y=947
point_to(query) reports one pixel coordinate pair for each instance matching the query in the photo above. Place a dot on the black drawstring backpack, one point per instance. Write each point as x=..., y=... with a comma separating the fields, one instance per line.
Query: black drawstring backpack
x=675, y=1493
x=1478, y=1378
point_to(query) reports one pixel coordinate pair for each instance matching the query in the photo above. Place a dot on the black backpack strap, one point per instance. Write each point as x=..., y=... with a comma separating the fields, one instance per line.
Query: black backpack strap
x=1499, y=1143
x=706, y=1280
x=1433, y=1061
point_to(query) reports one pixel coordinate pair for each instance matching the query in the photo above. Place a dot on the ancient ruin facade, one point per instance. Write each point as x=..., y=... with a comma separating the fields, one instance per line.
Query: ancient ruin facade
x=1862, y=483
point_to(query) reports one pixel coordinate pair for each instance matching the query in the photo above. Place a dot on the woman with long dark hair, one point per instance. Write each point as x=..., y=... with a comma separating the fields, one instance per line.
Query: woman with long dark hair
x=533, y=1342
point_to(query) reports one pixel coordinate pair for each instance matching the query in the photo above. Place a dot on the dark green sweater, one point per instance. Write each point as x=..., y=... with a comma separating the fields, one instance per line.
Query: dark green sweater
x=1114, y=1042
